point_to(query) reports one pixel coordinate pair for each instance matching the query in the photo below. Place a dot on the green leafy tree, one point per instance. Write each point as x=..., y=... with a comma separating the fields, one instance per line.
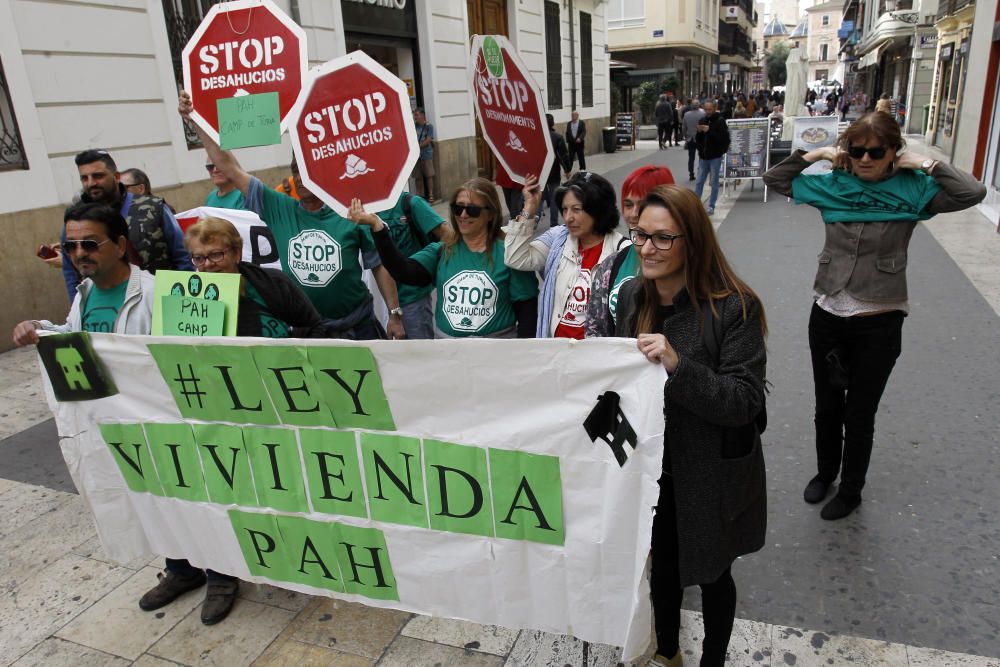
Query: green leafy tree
x=775, y=64
x=646, y=99
x=672, y=84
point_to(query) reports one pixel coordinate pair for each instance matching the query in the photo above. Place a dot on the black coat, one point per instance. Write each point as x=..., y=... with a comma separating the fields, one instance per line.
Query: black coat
x=721, y=502
x=562, y=162
x=581, y=134
x=284, y=300
x=715, y=142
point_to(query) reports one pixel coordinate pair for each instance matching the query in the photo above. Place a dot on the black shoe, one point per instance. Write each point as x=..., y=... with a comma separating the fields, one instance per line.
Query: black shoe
x=219, y=599
x=839, y=507
x=170, y=587
x=816, y=490
x=691, y=177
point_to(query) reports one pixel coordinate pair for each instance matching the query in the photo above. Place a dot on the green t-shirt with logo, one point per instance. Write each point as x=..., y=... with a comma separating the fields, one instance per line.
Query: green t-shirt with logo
x=404, y=240
x=318, y=250
x=270, y=326
x=629, y=270
x=475, y=292
x=100, y=310
x=233, y=200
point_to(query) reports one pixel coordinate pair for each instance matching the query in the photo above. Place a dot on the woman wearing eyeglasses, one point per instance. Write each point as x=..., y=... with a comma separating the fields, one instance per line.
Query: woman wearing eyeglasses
x=565, y=255
x=477, y=294
x=691, y=313
x=271, y=305
x=619, y=268
x=870, y=202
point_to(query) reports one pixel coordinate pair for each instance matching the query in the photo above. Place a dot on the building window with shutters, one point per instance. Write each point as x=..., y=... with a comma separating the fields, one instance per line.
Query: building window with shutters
x=586, y=60
x=12, y=155
x=824, y=52
x=626, y=13
x=553, y=56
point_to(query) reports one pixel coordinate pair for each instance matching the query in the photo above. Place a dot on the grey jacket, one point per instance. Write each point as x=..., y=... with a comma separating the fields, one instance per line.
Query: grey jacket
x=135, y=316
x=690, y=122
x=721, y=502
x=868, y=259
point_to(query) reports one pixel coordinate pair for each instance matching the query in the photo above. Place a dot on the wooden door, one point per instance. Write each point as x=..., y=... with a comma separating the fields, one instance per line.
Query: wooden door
x=486, y=17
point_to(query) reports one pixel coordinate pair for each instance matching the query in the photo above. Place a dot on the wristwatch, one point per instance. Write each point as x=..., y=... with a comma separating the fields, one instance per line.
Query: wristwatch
x=397, y=311
x=927, y=164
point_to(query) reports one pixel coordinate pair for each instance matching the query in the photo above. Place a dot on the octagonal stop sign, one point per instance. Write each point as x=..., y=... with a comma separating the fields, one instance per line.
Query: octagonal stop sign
x=244, y=47
x=353, y=135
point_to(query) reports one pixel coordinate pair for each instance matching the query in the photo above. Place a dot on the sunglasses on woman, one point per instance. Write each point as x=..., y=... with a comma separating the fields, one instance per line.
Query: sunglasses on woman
x=858, y=152
x=472, y=210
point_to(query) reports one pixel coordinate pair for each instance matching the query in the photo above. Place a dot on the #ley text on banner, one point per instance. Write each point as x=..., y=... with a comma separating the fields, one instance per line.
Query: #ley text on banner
x=511, y=484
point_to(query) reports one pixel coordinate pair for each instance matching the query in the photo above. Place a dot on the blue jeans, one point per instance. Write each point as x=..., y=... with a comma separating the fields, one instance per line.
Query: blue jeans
x=418, y=319
x=713, y=166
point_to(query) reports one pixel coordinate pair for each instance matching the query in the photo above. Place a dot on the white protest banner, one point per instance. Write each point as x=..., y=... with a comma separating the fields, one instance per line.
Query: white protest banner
x=501, y=482
x=258, y=243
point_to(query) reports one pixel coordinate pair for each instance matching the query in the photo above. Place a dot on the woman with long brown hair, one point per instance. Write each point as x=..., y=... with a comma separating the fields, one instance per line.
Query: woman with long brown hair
x=477, y=294
x=871, y=203
x=693, y=314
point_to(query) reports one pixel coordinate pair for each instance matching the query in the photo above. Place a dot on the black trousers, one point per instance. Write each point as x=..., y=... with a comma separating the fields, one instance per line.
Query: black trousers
x=692, y=150
x=867, y=348
x=664, y=132
x=718, y=598
x=576, y=153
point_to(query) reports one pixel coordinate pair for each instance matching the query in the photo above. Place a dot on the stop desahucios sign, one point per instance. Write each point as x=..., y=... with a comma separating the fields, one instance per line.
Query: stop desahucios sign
x=510, y=109
x=243, y=47
x=353, y=135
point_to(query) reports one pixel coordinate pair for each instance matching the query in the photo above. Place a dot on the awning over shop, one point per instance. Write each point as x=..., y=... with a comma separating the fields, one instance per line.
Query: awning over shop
x=871, y=58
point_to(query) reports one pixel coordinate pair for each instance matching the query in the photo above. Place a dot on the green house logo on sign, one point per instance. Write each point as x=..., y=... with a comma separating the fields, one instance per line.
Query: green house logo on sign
x=493, y=57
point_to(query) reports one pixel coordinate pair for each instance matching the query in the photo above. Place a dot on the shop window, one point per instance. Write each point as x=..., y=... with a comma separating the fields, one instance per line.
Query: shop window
x=182, y=18
x=626, y=13
x=553, y=56
x=586, y=60
x=12, y=154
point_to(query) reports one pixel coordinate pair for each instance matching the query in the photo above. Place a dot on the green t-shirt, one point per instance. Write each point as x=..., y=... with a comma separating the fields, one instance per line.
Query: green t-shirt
x=842, y=197
x=319, y=250
x=404, y=240
x=626, y=272
x=233, y=200
x=270, y=326
x=474, y=294
x=100, y=310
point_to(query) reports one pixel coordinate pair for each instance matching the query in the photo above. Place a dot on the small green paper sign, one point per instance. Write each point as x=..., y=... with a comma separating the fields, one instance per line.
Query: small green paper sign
x=221, y=287
x=249, y=120
x=186, y=316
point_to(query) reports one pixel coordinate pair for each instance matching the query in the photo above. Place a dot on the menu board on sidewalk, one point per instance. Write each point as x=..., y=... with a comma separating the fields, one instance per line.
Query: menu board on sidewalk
x=812, y=132
x=749, y=139
x=625, y=129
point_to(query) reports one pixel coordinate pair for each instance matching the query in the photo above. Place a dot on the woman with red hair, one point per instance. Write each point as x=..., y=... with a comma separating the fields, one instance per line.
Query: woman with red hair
x=616, y=270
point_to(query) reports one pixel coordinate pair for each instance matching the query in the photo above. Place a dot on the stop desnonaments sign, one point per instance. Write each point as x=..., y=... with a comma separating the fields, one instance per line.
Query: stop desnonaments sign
x=509, y=106
x=353, y=134
x=243, y=47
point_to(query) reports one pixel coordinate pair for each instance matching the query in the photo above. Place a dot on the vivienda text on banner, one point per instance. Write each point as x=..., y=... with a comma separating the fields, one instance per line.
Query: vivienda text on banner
x=319, y=466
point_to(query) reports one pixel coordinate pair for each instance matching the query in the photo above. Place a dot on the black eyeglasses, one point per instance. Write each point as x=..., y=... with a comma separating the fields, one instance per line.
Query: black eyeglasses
x=472, y=210
x=214, y=257
x=661, y=241
x=87, y=245
x=209, y=167
x=858, y=152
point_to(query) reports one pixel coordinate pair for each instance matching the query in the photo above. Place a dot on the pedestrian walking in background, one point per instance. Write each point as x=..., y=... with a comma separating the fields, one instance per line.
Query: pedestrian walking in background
x=712, y=139
x=870, y=202
x=472, y=250
x=565, y=255
x=692, y=118
x=561, y=165
x=576, y=136
x=712, y=506
x=424, y=174
x=679, y=109
x=664, y=113
x=884, y=104
x=616, y=270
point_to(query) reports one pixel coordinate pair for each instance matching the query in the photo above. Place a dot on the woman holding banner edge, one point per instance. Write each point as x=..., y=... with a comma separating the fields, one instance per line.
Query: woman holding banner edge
x=477, y=294
x=691, y=313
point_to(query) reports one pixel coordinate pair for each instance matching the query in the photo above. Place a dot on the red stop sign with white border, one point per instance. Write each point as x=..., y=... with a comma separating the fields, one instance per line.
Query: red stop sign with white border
x=353, y=134
x=243, y=47
x=510, y=109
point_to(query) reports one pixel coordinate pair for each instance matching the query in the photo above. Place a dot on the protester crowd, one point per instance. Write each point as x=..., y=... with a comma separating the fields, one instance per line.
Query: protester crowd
x=667, y=284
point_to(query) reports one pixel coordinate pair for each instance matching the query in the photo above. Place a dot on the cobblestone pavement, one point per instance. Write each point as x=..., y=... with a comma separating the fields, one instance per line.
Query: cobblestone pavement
x=910, y=579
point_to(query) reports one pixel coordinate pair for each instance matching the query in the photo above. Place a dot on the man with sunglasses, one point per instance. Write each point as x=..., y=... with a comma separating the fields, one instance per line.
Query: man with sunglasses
x=225, y=194
x=153, y=232
x=113, y=296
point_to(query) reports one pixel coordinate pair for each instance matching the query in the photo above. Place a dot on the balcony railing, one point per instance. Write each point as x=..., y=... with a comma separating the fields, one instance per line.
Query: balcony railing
x=948, y=7
x=12, y=155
